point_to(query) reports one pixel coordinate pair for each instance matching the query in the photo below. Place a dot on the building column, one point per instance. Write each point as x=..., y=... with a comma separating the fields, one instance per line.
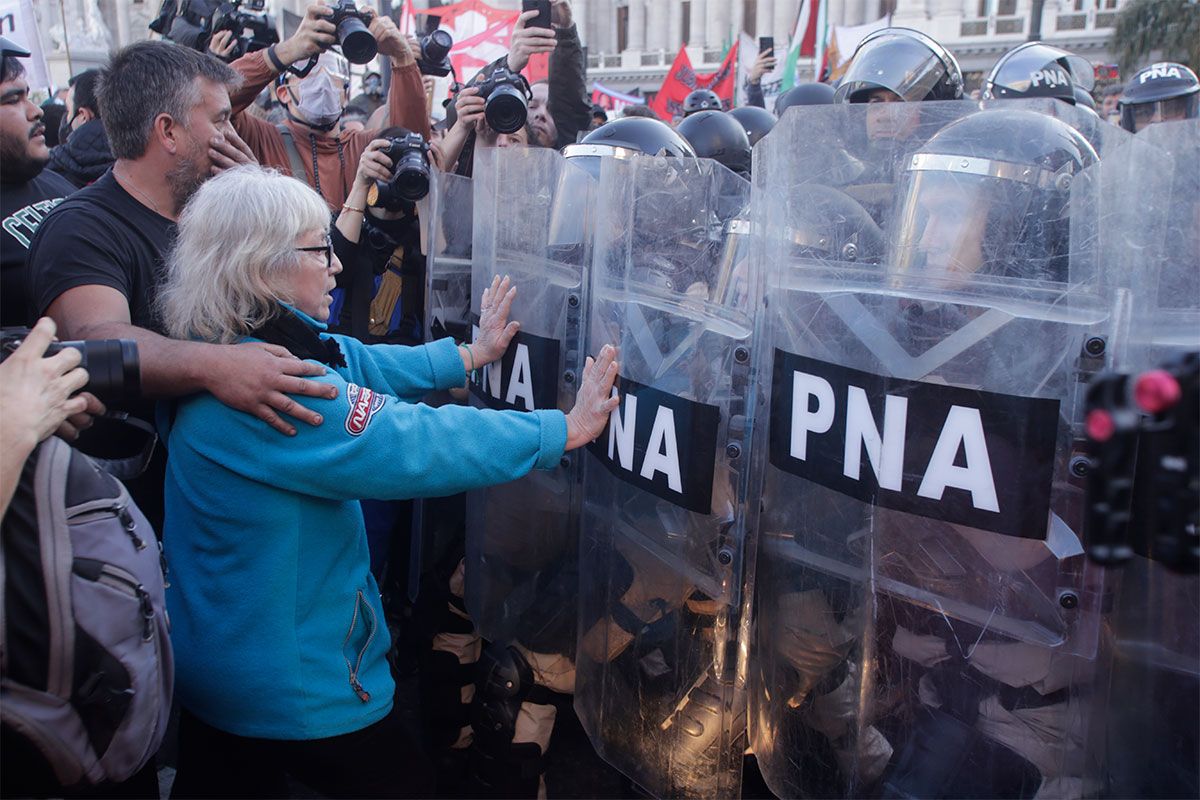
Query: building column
x=579, y=13
x=785, y=15
x=637, y=25
x=657, y=25
x=764, y=16
x=675, y=24
x=909, y=14
x=698, y=24
x=123, y=24
x=714, y=35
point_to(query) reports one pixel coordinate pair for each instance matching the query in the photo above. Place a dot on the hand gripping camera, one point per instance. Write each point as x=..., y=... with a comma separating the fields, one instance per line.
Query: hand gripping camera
x=434, y=58
x=507, y=95
x=357, y=42
x=410, y=174
x=197, y=21
x=114, y=370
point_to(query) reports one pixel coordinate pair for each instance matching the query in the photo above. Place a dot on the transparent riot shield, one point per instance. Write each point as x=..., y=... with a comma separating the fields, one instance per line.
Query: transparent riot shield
x=660, y=686
x=448, y=244
x=532, y=213
x=1150, y=745
x=926, y=623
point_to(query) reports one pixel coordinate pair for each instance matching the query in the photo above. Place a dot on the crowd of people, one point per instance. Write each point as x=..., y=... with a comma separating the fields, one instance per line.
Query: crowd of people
x=275, y=291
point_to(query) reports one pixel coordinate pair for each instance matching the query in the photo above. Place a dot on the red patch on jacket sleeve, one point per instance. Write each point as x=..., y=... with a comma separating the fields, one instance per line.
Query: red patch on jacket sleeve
x=363, y=404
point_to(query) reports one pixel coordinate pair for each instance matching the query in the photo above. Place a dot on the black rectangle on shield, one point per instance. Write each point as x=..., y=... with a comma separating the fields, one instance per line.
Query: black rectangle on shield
x=965, y=456
x=662, y=444
x=525, y=378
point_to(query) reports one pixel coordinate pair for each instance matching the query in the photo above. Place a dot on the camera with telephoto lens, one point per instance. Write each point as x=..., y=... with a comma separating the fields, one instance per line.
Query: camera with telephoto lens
x=507, y=95
x=253, y=27
x=357, y=42
x=114, y=371
x=410, y=174
x=435, y=54
x=195, y=22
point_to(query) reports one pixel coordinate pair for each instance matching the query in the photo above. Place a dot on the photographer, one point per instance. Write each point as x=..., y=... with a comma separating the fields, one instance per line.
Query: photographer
x=37, y=398
x=380, y=249
x=310, y=136
x=557, y=109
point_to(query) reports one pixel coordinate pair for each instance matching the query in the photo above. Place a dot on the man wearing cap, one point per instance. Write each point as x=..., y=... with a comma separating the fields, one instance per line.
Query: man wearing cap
x=29, y=190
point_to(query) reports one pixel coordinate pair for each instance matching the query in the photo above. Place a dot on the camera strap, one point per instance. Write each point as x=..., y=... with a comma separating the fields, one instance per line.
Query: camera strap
x=289, y=144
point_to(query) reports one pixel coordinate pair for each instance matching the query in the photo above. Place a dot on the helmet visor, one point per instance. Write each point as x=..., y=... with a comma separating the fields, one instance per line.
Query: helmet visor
x=896, y=62
x=1138, y=116
x=985, y=218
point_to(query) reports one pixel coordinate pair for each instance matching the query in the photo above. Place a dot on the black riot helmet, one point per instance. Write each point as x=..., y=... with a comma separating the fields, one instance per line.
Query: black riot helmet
x=627, y=137
x=1036, y=69
x=989, y=194
x=701, y=100
x=905, y=62
x=804, y=94
x=717, y=135
x=756, y=122
x=1160, y=92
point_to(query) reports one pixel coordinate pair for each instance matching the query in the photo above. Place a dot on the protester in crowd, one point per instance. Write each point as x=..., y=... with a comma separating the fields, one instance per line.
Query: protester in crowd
x=470, y=129
x=371, y=97
x=29, y=191
x=96, y=263
x=638, y=110
x=292, y=676
x=599, y=117
x=763, y=63
x=314, y=104
x=1109, y=109
x=354, y=120
x=52, y=117
x=83, y=154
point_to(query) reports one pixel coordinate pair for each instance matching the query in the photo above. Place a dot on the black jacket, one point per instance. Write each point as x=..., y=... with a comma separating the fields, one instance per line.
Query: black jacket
x=570, y=108
x=85, y=156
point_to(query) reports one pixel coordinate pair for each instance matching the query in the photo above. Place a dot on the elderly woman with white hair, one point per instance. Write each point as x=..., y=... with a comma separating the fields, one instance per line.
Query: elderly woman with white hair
x=278, y=630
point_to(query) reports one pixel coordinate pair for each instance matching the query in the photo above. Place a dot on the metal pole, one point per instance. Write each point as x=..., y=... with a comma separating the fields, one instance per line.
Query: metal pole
x=66, y=37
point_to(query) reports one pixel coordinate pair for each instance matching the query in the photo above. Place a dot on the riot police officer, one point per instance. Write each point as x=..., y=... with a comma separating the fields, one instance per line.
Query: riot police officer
x=1160, y=92
x=1036, y=69
x=757, y=122
x=804, y=94
x=719, y=136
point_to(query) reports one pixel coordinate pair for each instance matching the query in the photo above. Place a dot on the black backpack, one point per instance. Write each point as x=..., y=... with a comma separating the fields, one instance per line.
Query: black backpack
x=86, y=670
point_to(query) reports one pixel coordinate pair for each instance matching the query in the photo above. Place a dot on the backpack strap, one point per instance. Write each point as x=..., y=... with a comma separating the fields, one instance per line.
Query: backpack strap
x=289, y=144
x=130, y=467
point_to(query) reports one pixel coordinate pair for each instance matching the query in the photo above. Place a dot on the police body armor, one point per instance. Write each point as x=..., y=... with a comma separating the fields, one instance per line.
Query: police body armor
x=660, y=688
x=1150, y=745
x=926, y=623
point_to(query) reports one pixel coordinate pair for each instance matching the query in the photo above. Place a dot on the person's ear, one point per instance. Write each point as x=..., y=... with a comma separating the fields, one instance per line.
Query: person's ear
x=83, y=116
x=165, y=131
x=283, y=94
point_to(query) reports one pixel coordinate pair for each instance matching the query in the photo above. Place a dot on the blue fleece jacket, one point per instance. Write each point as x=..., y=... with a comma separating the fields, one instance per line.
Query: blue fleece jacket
x=276, y=621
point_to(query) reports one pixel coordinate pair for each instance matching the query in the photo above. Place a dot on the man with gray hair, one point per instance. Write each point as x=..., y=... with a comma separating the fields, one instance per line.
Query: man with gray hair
x=96, y=261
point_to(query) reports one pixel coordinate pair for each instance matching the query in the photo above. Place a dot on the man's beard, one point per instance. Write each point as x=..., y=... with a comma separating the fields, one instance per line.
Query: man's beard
x=16, y=165
x=184, y=179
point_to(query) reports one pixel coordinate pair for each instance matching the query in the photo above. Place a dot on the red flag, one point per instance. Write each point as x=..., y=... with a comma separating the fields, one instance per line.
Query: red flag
x=682, y=80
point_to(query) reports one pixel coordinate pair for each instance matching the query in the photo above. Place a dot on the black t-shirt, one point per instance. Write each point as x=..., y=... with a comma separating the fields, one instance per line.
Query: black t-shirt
x=23, y=207
x=101, y=236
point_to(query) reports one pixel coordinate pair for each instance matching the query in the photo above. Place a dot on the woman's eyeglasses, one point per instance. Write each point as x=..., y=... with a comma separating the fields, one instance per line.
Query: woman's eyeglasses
x=326, y=248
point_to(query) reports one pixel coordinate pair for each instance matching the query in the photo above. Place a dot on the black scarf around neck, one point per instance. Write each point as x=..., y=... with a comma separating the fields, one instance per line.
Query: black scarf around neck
x=287, y=330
